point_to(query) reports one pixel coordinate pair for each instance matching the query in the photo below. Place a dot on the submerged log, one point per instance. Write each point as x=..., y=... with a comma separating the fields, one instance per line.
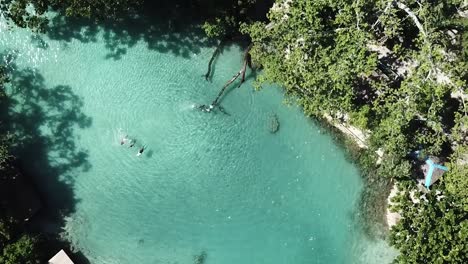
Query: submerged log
x=215, y=104
x=247, y=62
x=216, y=100
x=215, y=54
x=242, y=71
x=200, y=259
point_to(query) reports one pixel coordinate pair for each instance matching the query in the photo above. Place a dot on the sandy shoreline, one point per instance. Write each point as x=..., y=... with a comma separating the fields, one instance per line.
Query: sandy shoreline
x=360, y=137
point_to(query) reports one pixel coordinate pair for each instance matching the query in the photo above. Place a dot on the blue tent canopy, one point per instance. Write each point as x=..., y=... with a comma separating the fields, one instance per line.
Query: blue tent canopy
x=430, y=179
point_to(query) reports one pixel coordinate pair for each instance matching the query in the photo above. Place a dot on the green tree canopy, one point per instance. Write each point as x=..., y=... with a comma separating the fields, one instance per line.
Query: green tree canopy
x=31, y=13
x=397, y=68
x=434, y=230
x=389, y=63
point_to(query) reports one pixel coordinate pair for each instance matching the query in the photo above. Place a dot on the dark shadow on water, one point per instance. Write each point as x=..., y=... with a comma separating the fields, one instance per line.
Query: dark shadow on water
x=163, y=27
x=39, y=42
x=44, y=122
x=150, y=153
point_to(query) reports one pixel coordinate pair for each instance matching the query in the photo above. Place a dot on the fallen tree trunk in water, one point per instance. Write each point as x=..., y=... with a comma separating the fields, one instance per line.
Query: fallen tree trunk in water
x=242, y=71
x=215, y=102
x=243, y=74
x=213, y=57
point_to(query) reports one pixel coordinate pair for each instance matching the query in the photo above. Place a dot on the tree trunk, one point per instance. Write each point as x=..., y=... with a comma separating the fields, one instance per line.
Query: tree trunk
x=242, y=71
x=213, y=57
x=215, y=102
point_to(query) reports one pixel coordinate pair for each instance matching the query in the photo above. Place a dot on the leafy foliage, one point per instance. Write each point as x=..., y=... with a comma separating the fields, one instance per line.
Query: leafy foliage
x=31, y=13
x=224, y=17
x=218, y=27
x=333, y=62
x=13, y=250
x=4, y=155
x=456, y=180
x=397, y=68
x=434, y=230
x=20, y=251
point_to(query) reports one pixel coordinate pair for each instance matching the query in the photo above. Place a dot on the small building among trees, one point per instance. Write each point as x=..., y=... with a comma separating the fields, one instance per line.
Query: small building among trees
x=60, y=258
x=432, y=171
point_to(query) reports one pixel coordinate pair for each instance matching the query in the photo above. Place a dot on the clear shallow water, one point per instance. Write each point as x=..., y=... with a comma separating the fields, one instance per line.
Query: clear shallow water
x=209, y=183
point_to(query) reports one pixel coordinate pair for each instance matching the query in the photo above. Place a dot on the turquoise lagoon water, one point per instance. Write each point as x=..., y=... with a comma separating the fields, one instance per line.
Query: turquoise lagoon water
x=216, y=185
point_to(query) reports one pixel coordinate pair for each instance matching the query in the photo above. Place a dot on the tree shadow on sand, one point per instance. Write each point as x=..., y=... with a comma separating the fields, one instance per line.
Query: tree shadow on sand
x=44, y=122
x=167, y=28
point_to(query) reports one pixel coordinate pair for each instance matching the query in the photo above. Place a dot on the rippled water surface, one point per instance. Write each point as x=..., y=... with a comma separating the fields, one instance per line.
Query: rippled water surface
x=209, y=186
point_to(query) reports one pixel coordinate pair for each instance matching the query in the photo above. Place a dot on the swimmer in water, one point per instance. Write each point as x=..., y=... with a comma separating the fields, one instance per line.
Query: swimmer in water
x=132, y=143
x=206, y=108
x=202, y=107
x=124, y=140
x=210, y=107
x=140, y=151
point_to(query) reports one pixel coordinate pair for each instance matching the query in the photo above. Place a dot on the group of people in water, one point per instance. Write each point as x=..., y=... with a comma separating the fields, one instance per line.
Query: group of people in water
x=211, y=107
x=131, y=144
x=206, y=108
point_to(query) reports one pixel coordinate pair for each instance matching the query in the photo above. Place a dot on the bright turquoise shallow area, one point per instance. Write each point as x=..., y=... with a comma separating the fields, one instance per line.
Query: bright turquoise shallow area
x=213, y=183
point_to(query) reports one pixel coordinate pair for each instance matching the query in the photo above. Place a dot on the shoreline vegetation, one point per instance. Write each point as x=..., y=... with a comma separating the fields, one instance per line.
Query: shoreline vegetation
x=397, y=69
x=387, y=78
x=373, y=210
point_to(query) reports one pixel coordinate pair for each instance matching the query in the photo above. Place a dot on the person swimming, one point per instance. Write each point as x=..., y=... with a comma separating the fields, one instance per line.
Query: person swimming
x=132, y=143
x=124, y=140
x=140, y=151
x=203, y=108
x=206, y=108
x=210, y=107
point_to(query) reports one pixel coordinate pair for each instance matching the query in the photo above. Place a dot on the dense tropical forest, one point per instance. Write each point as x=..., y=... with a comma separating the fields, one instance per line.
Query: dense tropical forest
x=397, y=70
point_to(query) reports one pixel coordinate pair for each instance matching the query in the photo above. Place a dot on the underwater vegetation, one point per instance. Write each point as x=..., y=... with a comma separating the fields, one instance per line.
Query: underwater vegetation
x=273, y=124
x=201, y=258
